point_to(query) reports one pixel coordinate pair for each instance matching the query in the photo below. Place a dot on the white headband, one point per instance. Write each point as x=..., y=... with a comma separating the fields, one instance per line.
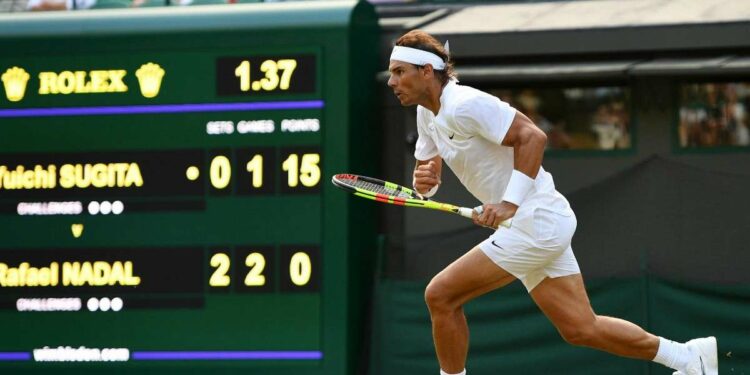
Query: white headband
x=417, y=57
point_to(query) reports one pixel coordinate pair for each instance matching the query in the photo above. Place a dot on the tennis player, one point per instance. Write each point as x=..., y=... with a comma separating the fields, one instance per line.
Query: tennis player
x=496, y=152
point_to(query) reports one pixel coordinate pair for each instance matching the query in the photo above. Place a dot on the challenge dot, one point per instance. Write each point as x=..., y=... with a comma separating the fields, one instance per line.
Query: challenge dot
x=92, y=304
x=105, y=208
x=117, y=304
x=117, y=207
x=94, y=208
x=104, y=304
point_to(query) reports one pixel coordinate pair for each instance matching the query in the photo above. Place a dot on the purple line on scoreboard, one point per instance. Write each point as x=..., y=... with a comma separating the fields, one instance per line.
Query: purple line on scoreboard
x=226, y=355
x=15, y=356
x=161, y=108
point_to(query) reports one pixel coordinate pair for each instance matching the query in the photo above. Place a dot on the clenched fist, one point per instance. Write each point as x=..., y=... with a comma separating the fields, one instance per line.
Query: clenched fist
x=426, y=176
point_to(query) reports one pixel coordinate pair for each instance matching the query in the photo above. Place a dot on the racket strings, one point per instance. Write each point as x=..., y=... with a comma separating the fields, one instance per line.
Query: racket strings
x=379, y=189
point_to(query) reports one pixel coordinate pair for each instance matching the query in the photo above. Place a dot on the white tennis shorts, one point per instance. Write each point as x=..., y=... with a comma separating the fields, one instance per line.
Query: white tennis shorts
x=536, y=246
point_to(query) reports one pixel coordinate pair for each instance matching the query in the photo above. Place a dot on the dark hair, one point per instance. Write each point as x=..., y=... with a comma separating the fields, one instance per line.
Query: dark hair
x=421, y=40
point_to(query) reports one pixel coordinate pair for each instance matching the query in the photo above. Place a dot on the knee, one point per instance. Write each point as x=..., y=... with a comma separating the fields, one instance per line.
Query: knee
x=437, y=297
x=579, y=334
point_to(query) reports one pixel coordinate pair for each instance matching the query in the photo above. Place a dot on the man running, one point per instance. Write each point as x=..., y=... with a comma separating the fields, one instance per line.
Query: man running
x=496, y=152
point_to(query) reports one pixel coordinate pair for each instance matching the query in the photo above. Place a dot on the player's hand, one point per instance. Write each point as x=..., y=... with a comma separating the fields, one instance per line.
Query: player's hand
x=494, y=214
x=426, y=177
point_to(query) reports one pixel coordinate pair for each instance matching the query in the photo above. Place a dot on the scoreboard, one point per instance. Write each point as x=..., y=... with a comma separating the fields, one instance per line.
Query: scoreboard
x=164, y=194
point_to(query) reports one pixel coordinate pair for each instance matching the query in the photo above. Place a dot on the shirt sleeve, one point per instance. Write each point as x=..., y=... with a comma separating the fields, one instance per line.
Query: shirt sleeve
x=425, y=148
x=486, y=116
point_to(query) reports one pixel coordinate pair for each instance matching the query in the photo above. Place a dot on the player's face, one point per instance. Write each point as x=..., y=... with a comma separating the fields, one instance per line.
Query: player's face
x=406, y=82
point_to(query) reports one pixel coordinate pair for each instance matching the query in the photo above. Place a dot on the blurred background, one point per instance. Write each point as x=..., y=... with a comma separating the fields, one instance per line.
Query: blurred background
x=165, y=205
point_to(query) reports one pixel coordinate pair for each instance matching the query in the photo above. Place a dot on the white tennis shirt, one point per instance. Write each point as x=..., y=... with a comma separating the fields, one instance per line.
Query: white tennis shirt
x=467, y=134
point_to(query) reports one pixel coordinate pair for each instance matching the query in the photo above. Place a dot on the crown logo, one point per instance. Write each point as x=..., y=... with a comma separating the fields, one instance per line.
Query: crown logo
x=14, y=80
x=149, y=78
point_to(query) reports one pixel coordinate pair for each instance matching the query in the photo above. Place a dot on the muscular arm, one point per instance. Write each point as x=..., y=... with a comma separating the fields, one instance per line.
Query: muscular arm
x=528, y=143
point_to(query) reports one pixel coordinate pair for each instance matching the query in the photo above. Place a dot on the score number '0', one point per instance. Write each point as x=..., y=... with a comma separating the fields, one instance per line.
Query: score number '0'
x=304, y=169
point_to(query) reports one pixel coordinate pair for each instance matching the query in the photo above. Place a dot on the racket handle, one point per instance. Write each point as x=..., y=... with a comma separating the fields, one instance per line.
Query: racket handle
x=467, y=213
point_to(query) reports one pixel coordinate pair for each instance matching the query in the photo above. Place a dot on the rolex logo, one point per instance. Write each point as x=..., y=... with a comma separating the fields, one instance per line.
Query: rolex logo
x=14, y=80
x=149, y=78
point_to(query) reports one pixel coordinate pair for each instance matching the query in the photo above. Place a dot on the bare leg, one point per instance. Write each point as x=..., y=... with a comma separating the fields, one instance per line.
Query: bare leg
x=566, y=304
x=468, y=277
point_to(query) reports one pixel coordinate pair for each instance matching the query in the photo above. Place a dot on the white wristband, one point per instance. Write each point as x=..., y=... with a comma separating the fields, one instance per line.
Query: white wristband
x=518, y=187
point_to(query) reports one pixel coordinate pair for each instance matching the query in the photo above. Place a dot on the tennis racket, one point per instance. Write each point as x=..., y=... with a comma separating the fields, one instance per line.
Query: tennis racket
x=388, y=192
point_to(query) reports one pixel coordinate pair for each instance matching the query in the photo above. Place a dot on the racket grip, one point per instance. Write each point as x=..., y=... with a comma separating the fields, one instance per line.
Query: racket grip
x=469, y=212
x=466, y=212
x=507, y=223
